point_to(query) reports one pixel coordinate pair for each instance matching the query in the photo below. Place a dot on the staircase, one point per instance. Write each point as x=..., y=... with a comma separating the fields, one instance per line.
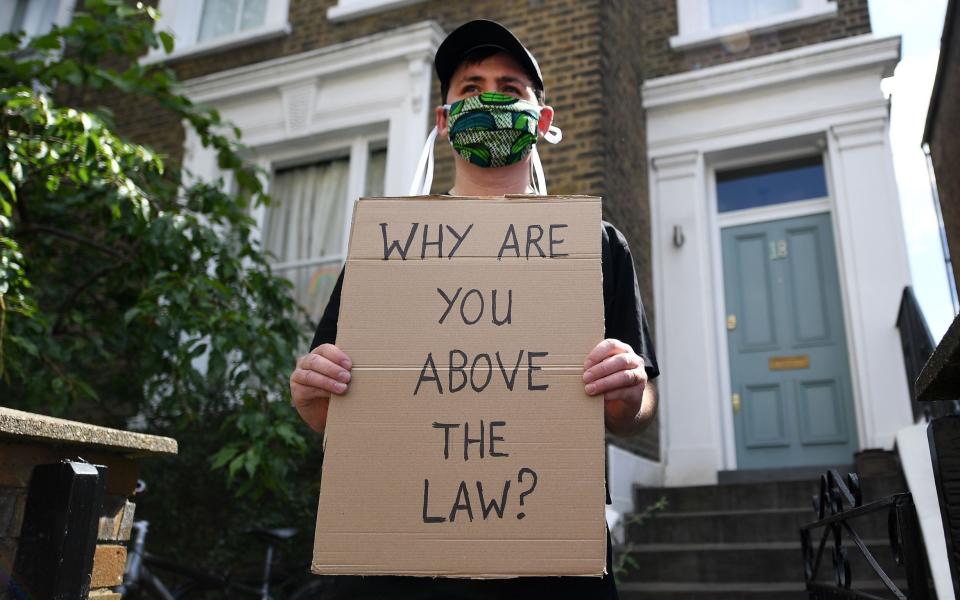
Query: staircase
x=741, y=541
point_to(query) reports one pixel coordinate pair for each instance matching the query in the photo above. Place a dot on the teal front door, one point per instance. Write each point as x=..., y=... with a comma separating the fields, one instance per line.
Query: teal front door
x=789, y=371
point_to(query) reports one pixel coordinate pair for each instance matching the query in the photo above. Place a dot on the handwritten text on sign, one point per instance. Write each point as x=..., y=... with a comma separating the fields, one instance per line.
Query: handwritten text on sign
x=467, y=321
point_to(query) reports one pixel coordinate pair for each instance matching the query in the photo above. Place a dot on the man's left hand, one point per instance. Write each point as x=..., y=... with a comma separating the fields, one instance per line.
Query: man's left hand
x=613, y=369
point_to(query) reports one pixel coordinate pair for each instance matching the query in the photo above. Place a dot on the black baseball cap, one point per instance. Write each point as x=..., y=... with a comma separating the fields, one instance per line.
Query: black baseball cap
x=482, y=33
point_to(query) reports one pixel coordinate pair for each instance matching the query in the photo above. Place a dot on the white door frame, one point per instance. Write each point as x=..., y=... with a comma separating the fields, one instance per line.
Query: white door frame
x=824, y=98
x=763, y=214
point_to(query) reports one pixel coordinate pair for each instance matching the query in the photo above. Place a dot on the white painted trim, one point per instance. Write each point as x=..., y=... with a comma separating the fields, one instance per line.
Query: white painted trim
x=727, y=425
x=699, y=32
x=345, y=10
x=626, y=470
x=227, y=42
x=914, y=451
x=418, y=41
x=329, y=103
x=800, y=64
x=825, y=99
x=720, y=221
x=771, y=212
x=182, y=20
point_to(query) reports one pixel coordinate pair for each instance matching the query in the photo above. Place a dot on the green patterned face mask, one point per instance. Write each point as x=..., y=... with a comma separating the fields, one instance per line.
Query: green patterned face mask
x=493, y=129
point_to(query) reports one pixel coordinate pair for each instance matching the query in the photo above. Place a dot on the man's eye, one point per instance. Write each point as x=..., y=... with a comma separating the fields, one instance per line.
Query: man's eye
x=510, y=89
x=470, y=88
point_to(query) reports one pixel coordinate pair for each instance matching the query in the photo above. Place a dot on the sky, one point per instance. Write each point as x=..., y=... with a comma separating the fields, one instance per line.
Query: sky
x=919, y=23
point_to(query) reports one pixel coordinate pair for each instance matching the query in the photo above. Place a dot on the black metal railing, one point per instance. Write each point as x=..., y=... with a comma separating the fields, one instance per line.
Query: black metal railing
x=837, y=504
x=916, y=342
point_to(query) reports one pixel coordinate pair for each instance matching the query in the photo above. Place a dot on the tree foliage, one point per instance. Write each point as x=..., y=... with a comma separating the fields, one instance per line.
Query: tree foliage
x=123, y=291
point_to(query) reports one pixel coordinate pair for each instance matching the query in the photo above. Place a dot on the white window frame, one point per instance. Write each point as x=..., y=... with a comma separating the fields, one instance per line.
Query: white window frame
x=768, y=212
x=182, y=19
x=695, y=29
x=356, y=150
x=64, y=14
x=344, y=10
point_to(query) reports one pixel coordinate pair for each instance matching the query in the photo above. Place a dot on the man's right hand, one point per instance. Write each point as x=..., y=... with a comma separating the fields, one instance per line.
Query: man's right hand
x=319, y=375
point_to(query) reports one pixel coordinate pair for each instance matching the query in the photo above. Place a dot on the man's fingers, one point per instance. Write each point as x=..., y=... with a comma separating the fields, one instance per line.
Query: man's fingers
x=313, y=379
x=620, y=379
x=604, y=349
x=333, y=354
x=618, y=362
x=323, y=365
x=301, y=395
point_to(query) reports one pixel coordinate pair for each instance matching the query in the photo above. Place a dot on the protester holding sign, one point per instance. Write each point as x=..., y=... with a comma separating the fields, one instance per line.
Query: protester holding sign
x=488, y=79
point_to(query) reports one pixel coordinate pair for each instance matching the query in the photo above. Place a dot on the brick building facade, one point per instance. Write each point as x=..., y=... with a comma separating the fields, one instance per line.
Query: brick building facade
x=664, y=104
x=943, y=118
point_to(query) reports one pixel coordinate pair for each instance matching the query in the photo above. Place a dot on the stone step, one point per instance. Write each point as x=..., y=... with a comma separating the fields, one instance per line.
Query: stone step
x=770, y=562
x=742, y=526
x=752, y=496
x=727, y=591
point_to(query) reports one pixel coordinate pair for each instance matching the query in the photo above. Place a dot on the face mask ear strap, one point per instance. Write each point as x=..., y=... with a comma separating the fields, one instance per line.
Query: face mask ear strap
x=539, y=181
x=423, y=176
x=553, y=135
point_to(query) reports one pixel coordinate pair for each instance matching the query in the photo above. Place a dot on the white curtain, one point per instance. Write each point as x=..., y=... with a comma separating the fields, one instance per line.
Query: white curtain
x=306, y=221
x=732, y=12
x=376, y=171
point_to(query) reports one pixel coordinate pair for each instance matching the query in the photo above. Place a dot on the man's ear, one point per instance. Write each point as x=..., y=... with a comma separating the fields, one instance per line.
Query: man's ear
x=546, y=119
x=441, y=116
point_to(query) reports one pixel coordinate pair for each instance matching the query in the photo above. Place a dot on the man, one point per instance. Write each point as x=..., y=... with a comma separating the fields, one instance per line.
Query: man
x=486, y=75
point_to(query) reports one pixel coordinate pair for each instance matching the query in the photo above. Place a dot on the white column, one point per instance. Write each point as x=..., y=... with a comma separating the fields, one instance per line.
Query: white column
x=874, y=270
x=408, y=127
x=685, y=331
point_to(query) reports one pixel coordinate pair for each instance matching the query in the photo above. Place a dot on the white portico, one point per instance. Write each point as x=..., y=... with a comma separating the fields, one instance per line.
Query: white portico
x=822, y=103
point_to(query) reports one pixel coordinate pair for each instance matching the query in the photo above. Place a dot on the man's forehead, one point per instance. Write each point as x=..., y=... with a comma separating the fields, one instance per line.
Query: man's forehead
x=500, y=66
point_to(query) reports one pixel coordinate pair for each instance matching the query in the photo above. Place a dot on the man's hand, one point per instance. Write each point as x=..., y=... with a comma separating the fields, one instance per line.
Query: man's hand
x=320, y=374
x=613, y=369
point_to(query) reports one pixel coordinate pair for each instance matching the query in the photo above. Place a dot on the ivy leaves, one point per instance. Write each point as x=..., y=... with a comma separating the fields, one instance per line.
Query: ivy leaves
x=124, y=293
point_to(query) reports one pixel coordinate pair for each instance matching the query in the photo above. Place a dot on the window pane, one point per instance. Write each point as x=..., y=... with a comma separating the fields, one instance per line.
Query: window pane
x=376, y=173
x=774, y=183
x=306, y=221
x=732, y=12
x=767, y=8
x=728, y=12
x=219, y=18
x=254, y=14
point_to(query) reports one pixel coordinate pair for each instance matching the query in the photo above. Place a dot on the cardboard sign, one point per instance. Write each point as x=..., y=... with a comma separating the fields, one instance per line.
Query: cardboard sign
x=466, y=445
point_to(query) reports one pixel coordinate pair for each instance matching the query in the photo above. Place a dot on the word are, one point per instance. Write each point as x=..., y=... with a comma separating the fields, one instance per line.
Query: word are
x=480, y=372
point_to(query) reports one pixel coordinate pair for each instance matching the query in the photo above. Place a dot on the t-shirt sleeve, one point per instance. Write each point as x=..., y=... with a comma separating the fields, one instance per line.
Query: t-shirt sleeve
x=327, y=327
x=623, y=307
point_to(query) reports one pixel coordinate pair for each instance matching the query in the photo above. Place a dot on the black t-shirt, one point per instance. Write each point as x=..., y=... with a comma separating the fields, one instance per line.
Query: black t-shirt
x=624, y=320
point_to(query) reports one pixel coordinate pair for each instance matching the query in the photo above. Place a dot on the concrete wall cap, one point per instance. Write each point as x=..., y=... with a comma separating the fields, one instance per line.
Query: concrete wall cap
x=19, y=425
